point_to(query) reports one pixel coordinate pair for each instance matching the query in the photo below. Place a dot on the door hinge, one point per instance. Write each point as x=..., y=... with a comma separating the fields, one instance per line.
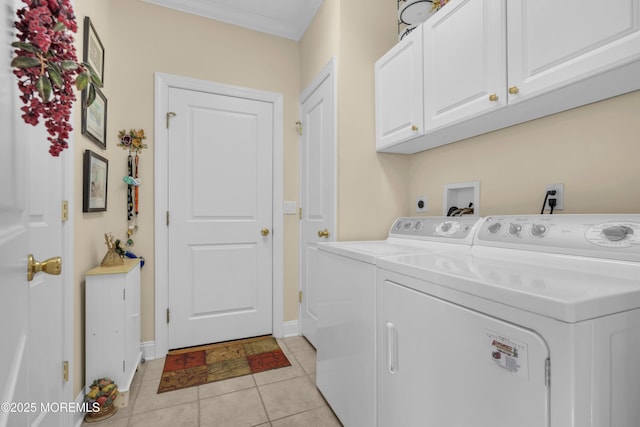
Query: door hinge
x=300, y=297
x=167, y=218
x=299, y=127
x=167, y=314
x=169, y=115
x=124, y=294
x=65, y=210
x=547, y=372
x=124, y=365
x=299, y=213
x=65, y=371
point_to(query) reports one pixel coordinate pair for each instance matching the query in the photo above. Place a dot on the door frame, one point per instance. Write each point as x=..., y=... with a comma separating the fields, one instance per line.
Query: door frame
x=328, y=72
x=68, y=272
x=163, y=82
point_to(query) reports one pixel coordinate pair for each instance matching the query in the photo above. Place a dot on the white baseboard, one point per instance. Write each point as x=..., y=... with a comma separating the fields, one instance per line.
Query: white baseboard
x=149, y=350
x=291, y=328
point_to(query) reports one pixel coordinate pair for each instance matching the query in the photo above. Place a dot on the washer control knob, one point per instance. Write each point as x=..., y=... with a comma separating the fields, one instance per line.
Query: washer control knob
x=515, y=229
x=494, y=228
x=616, y=233
x=445, y=226
x=418, y=226
x=538, y=230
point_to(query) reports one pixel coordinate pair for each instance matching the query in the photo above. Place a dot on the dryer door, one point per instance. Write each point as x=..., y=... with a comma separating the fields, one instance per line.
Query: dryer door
x=441, y=364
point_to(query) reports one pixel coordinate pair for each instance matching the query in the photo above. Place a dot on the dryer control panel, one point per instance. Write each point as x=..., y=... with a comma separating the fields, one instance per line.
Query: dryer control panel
x=601, y=236
x=458, y=229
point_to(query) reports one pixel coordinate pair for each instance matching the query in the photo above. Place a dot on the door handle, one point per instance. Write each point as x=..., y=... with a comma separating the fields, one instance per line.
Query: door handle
x=264, y=232
x=51, y=266
x=323, y=233
x=391, y=348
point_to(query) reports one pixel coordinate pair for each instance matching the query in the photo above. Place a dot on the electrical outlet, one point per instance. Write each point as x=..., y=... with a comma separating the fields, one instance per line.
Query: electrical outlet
x=559, y=196
x=422, y=204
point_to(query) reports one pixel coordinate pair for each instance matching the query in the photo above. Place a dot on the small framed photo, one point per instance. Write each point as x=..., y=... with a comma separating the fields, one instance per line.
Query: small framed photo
x=94, y=118
x=94, y=187
x=93, y=52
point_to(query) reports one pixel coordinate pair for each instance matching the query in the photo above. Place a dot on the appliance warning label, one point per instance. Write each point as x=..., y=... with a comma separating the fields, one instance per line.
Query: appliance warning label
x=508, y=354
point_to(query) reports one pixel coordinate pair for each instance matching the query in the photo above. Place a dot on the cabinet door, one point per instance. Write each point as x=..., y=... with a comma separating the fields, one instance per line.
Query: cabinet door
x=556, y=43
x=464, y=61
x=399, y=87
x=441, y=364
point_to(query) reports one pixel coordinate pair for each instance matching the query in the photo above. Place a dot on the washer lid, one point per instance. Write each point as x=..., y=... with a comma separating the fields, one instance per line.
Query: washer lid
x=370, y=251
x=414, y=11
x=564, y=287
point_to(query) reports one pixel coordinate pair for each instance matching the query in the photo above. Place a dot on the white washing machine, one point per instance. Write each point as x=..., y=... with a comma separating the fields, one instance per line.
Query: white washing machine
x=345, y=290
x=537, y=325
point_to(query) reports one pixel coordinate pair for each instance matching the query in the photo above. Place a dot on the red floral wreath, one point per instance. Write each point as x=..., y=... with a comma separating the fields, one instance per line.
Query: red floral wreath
x=47, y=67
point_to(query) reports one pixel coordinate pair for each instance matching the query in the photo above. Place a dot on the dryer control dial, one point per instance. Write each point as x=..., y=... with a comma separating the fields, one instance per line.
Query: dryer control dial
x=515, y=229
x=494, y=228
x=447, y=227
x=616, y=233
x=538, y=230
x=620, y=234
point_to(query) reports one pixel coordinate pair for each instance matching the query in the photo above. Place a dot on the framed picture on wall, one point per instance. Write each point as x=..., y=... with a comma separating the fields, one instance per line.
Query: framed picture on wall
x=94, y=118
x=94, y=182
x=93, y=52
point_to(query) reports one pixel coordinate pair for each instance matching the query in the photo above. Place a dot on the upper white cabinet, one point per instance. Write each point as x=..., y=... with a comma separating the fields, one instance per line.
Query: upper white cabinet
x=465, y=61
x=399, y=87
x=556, y=43
x=489, y=64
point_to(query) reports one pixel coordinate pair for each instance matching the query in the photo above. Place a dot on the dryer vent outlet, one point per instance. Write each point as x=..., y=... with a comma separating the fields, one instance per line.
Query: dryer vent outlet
x=421, y=204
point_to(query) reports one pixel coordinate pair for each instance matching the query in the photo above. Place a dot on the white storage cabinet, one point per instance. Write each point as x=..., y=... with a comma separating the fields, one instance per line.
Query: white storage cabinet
x=489, y=64
x=399, y=87
x=113, y=324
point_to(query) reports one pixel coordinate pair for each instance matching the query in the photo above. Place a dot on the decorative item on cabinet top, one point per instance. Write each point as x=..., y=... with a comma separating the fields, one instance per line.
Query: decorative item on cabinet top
x=412, y=13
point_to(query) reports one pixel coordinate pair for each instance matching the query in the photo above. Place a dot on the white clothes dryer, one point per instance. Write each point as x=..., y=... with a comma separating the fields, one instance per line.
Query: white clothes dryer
x=538, y=325
x=344, y=284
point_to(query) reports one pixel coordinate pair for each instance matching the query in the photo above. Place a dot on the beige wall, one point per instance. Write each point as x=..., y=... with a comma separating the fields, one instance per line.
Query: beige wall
x=371, y=186
x=592, y=150
x=141, y=39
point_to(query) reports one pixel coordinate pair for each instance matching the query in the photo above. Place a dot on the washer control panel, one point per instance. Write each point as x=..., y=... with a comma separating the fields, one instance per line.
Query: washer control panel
x=606, y=236
x=435, y=228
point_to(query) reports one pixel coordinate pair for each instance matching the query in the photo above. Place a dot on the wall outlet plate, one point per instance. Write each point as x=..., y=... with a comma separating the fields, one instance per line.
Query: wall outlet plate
x=422, y=204
x=559, y=196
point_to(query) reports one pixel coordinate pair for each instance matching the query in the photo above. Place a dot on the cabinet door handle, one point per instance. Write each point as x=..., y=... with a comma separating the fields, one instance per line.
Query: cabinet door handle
x=514, y=90
x=391, y=348
x=414, y=128
x=493, y=97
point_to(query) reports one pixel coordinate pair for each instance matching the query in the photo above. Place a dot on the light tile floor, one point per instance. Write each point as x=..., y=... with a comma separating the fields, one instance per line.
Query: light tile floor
x=285, y=397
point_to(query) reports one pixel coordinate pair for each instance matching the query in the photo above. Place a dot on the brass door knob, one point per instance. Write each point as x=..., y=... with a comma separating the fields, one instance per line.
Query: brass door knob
x=414, y=128
x=514, y=90
x=51, y=266
x=493, y=97
x=264, y=232
x=323, y=233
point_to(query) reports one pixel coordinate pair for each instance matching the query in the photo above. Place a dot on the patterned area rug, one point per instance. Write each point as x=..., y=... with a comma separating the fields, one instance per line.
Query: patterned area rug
x=193, y=366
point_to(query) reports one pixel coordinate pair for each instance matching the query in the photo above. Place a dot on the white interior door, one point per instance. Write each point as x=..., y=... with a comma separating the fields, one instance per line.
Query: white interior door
x=14, y=240
x=220, y=206
x=46, y=292
x=317, y=186
x=30, y=222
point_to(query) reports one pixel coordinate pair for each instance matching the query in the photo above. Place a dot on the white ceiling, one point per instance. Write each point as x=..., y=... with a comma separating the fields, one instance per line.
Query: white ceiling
x=283, y=18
